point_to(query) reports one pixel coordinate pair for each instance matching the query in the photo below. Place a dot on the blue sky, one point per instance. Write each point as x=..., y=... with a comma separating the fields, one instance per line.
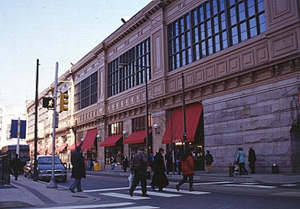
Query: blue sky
x=53, y=31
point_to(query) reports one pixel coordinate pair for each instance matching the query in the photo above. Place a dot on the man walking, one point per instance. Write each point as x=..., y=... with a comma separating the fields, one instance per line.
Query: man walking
x=251, y=159
x=208, y=161
x=15, y=166
x=78, y=169
x=139, y=168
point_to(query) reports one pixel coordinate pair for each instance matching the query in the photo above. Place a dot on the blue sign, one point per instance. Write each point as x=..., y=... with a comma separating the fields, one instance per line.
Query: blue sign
x=14, y=129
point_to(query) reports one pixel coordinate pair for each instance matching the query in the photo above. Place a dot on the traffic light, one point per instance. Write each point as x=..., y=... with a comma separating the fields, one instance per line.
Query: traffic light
x=63, y=105
x=48, y=102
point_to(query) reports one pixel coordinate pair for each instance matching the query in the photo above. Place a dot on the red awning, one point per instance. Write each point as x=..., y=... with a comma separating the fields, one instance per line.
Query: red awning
x=111, y=141
x=174, y=130
x=61, y=148
x=72, y=147
x=137, y=137
x=89, y=139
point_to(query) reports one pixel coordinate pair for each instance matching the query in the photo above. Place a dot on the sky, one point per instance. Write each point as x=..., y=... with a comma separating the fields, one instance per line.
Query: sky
x=52, y=31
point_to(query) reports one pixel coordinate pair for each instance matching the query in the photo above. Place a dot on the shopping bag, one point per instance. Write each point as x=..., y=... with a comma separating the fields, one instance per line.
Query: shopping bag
x=130, y=179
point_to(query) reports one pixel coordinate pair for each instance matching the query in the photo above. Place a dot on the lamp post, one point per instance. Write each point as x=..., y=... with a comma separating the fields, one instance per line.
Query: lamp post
x=35, y=173
x=184, y=115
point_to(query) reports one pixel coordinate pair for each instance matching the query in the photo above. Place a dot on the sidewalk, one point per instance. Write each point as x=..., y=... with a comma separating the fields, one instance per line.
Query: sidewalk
x=202, y=176
x=28, y=193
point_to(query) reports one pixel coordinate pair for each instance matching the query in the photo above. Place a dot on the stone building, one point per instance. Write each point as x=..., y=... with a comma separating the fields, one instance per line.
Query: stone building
x=238, y=61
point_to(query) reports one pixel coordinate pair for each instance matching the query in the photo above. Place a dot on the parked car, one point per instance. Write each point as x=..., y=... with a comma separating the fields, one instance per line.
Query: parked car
x=28, y=169
x=44, y=167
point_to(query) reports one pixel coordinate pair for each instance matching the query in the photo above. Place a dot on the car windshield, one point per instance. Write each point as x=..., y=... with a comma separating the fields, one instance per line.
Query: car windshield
x=48, y=160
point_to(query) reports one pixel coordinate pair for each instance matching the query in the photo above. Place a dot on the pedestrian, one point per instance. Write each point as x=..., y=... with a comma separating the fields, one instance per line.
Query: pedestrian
x=169, y=161
x=15, y=166
x=78, y=169
x=159, y=178
x=251, y=159
x=112, y=162
x=208, y=161
x=187, y=168
x=240, y=159
x=139, y=169
x=125, y=163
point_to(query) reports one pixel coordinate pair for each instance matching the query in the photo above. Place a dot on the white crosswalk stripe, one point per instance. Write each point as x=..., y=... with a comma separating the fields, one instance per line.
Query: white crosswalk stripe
x=160, y=194
x=124, y=196
x=185, y=191
x=141, y=207
x=212, y=183
x=107, y=205
x=250, y=186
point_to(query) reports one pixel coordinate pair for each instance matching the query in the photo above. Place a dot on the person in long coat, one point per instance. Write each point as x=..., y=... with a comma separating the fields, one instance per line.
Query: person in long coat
x=15, y=166
x=251, y=159
x=187, y=167
x=159, y=178
x=78, y=169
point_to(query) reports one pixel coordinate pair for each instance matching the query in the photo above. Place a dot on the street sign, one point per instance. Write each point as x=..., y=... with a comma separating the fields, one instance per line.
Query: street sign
x=14, y=129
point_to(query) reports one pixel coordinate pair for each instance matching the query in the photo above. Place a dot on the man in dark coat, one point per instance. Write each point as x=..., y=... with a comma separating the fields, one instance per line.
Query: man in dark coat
x=139, y=169
x=252, y=159
x=169, y=161
x=159, y=178
x=15, y=166
x=78, y=169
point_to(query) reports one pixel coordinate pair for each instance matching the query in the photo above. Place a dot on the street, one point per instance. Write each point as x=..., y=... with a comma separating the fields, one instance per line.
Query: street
x=112, y=192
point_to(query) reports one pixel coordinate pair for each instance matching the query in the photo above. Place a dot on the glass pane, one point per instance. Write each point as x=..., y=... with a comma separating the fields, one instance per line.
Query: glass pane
x=203, y=48
x=177, y=60
x=223, y=21
x=242, y=14
x=208, y=27
x=224, y=37
x=181, y=25
x=177, y=44
x=202, y=32
x=195, y=17
x=197, y=52
x=222, y=5
x=216, y=23
x=210, y=46
x=217, y=43
x=183, y=57
x=243, y=29
x=261, y=6
x=176, y=28
x=251, y=8
x=207, y=8
x=231, y=2
x=262, y=23
x=234, y=34
x=201, y=14
x=215, y=7
x=182, y=42
x=188, y=38
x=253, y=29
x=196, y=35
x=188, y=21
x=190, y=55
x=233, y=16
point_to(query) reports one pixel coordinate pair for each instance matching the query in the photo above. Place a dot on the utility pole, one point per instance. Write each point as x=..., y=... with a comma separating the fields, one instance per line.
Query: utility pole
x=18, y=134
x=147, y=113
x=52, y=183
x=35, y=174
x=183, y=111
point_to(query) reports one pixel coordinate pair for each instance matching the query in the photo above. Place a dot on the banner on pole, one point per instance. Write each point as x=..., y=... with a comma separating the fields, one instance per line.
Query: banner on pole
x=14, y=129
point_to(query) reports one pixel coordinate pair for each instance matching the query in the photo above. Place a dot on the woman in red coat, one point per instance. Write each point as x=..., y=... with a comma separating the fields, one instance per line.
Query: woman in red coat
x=187, y=166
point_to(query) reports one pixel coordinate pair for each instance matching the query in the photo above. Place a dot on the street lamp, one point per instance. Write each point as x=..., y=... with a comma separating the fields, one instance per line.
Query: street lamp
x=145, y=69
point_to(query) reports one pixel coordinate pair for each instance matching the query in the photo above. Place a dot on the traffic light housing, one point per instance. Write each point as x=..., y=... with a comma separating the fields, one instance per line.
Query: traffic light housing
x=63, y=105
x=48, y=102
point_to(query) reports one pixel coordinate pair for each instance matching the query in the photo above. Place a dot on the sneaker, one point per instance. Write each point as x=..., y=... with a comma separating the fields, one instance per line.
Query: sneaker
x=177, y=187
x=72, y=190
x=145, y=195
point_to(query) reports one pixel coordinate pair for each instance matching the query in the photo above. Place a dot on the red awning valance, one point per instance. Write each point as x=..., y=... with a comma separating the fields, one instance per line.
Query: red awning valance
x=72, y=147
x=111, y=141
x=89, y=139
x=61, y=148
x=137, y=137
x=174, y=130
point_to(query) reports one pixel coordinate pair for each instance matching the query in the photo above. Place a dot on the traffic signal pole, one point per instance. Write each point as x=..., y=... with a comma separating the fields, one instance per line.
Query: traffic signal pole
x=52, y=183
x=35, y=174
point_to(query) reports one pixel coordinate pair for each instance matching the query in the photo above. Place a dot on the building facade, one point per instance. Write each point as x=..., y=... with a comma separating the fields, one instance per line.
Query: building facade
x=236, y=62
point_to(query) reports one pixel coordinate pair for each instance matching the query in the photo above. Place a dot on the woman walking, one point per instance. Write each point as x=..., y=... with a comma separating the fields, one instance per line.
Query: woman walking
x=159, y=178
x=187, y=168
x=240, y=159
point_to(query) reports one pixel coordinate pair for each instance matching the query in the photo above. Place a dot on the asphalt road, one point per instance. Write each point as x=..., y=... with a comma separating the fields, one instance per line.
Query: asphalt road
x=112, y=192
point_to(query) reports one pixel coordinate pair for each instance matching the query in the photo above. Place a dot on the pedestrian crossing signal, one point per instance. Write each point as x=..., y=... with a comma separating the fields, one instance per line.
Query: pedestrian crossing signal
x=63, y=105
x=48, y=102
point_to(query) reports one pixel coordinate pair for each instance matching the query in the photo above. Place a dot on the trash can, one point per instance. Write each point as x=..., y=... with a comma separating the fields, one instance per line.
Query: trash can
x=275, y=168
x=230, y=169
